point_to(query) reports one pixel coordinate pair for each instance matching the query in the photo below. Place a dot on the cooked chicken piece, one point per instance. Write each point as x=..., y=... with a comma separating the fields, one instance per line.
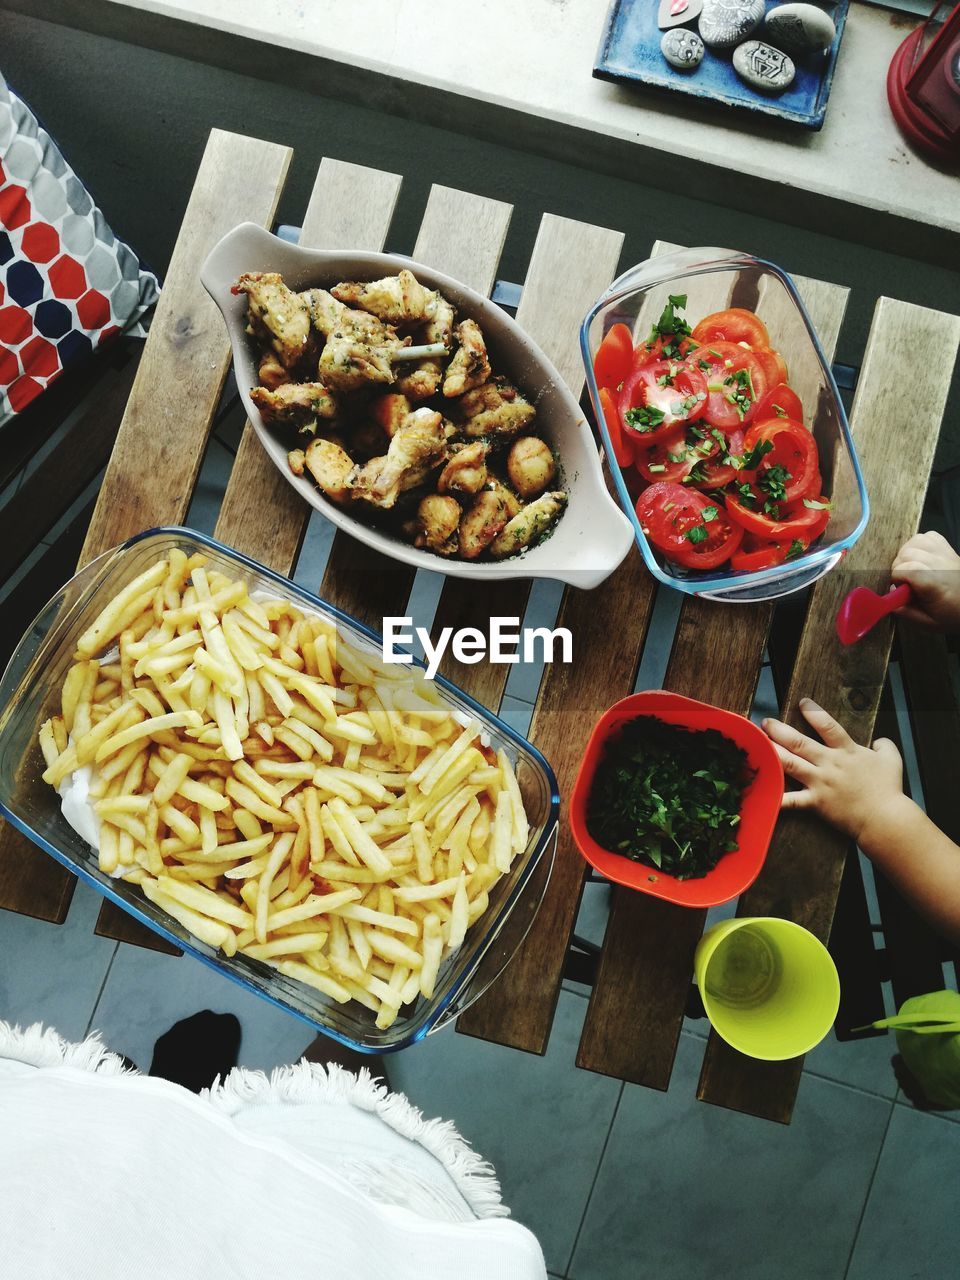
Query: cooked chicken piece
x=495, y=409
x=423, y=379
x=416, y=449
x=466, y=472
x=438, y=520
x=530, y=466
x=399, y=299
x=481, y=523
x=296, y=459
x=277, y=310
x=510, y=499
x=331, y=317
x=529, y=526
x=347, y=363
x=271, y=372
x=294, y=403
x=469, y=367
x=331, y=467
x=391, y=411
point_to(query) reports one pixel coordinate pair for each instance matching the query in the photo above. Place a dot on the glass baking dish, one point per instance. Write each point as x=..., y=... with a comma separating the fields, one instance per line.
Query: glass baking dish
x=714, y=279
x=30, y=692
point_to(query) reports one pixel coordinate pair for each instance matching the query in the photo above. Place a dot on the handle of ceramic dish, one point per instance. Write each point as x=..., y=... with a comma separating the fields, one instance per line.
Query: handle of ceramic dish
x=610, y=539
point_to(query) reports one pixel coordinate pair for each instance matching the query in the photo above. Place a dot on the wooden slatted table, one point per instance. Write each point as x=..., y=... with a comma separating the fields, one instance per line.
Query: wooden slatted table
x=636, y=1010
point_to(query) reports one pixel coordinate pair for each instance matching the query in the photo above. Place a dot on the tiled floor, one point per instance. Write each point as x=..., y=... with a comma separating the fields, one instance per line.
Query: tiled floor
x=617, y=1182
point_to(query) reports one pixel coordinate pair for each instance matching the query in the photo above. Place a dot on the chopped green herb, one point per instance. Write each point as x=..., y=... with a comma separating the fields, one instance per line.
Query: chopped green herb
x=708, y=514
x=644, y=418
x=656, y=466
x=815, y=505
x=704, y=364
x=696, y=474
x=781, y=413
x=669, y=797
x=752, y=459
x=797, y=548
x=670, y=325
x=773, y=481
x=697, y=534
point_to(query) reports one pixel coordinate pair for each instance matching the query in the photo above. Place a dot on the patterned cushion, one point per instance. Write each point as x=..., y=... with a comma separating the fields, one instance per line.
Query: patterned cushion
x=67, y=284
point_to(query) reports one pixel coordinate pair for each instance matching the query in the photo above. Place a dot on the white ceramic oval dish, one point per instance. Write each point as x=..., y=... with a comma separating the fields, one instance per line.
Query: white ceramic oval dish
x=593, y=535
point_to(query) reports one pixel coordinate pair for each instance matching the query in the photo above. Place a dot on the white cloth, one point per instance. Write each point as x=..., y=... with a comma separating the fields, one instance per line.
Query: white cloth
x=310, y=1175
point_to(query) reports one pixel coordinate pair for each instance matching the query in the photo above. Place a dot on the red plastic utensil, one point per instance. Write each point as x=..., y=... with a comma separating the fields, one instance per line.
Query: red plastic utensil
x=862, y=609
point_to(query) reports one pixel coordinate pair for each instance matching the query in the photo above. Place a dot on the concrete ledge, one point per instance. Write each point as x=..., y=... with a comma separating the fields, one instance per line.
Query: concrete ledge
x=520, y=76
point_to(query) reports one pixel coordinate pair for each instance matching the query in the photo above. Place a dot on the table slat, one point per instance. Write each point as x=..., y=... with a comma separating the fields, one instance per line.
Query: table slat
x=462, y=235
x=164, y=430
x=586, y=258
x=262, y=515
x=801, y=877
x=637, y=1004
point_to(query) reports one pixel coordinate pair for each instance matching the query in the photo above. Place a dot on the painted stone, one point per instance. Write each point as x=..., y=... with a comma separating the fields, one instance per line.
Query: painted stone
x=682, y=49
x=763, y=67
x=674, y=13
x=724, y=23
x=799, y=28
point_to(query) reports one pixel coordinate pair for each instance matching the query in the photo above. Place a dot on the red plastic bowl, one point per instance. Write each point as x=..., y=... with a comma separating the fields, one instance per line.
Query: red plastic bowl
x=735, y=871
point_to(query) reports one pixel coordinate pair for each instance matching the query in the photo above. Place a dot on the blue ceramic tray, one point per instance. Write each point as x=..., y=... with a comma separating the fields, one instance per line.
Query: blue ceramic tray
x=630, y=51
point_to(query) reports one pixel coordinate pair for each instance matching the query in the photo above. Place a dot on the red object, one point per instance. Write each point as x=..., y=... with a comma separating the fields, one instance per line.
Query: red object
x=93, y=310
x=614, y=357
x=797, y=521
x=21, y=392
x=923, y=88
x=862, y=609
x=39, y=358
x=794, y=449
x=15, y=325
x=681, y=400
x=727, y=360
x=736, y=324
x=687, y=526
x=736, y=871
x=40, y=242
x=14, y=208
x=780, y=397
x=611, y=416
x=67, y=277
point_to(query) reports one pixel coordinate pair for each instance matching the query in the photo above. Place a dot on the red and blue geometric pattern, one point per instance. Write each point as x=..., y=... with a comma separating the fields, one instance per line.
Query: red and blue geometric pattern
x=67, y=284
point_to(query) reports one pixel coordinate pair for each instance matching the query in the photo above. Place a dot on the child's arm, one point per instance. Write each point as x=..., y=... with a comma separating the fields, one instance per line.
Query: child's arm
x=860, y=790
x=932, y=568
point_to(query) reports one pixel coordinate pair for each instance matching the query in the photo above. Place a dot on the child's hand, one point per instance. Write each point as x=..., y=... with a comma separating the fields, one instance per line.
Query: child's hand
x=849, y=785
x=932, y=568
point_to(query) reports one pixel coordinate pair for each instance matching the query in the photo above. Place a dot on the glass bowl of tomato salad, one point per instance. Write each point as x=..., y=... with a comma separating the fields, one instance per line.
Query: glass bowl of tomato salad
x=723, y=427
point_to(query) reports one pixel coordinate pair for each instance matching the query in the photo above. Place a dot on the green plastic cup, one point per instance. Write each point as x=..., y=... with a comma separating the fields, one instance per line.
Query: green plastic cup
x=769, y=987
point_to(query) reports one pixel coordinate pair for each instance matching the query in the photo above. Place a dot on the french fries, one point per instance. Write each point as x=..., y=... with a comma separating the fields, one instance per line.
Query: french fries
x=280, y=793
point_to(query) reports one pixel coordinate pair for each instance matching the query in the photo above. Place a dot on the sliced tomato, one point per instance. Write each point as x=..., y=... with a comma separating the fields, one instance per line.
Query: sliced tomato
x=774, y=365
x=672, y=394
x=653, y=349
x=614, y=357
x=791, y=468
x=735, y=324
x=735, y=383
x=780, y=401
x=611, y=416
x=718, y=471
x=673, y=458
x=667, y=460
x=792, y=521
x=755, y=553
x=686, y=526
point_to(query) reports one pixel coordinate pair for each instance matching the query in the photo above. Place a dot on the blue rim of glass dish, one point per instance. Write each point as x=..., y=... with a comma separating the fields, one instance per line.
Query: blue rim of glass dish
x=704, y=584
x=485, y=715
